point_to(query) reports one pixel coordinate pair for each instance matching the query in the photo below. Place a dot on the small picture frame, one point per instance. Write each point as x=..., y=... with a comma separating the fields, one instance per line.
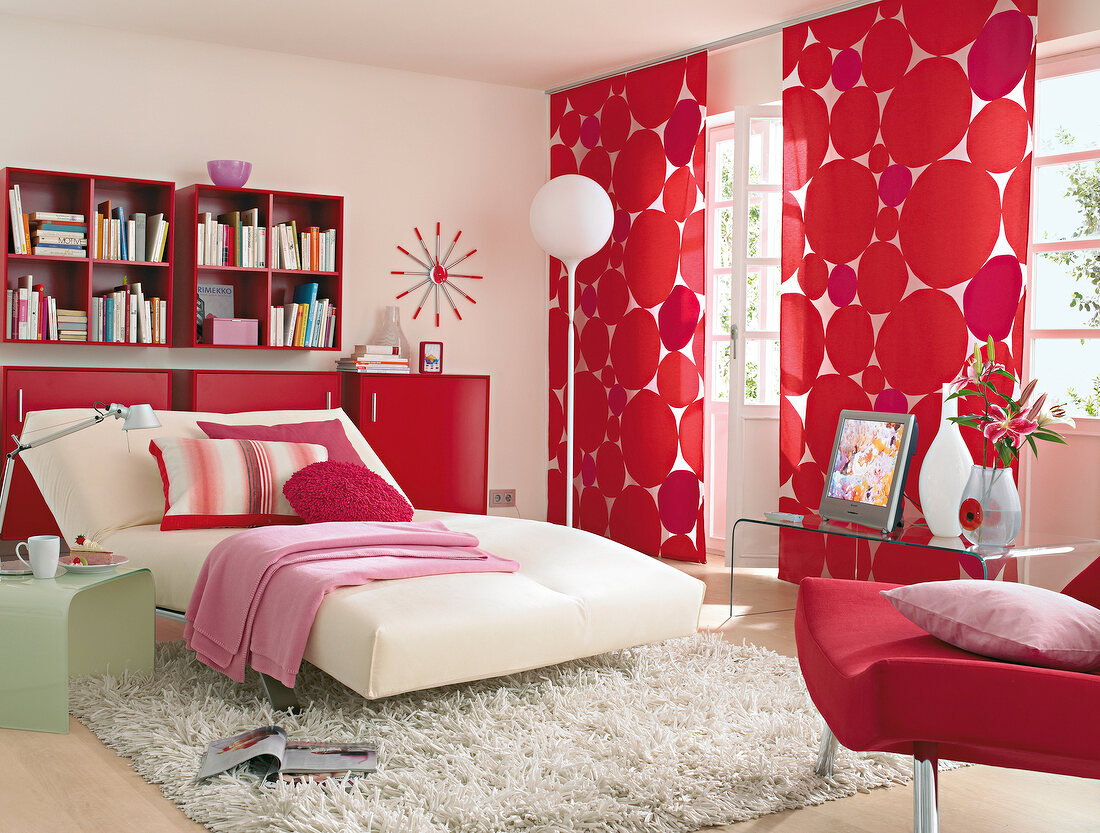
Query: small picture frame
x=431, y=357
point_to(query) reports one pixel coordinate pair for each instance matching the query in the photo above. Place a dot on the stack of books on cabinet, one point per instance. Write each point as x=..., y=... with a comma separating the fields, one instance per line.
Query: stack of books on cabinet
x=71, y=241
x=374, y=358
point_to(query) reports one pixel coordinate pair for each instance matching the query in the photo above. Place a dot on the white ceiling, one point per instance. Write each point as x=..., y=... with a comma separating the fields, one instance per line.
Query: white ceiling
x=539, y=45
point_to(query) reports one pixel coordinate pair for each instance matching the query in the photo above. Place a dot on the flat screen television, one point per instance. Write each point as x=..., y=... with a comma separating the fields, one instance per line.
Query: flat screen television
x=867, y=469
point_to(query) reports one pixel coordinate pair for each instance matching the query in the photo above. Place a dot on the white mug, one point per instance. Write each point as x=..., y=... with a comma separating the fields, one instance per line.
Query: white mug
x=42, y=552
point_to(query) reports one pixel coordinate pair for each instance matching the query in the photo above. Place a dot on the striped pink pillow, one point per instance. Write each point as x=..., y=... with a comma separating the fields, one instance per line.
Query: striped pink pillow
x=213, y=483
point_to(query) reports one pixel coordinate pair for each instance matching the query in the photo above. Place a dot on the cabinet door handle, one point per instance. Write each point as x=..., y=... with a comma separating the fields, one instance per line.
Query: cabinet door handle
x=374, y=407
x=20, y=406
x=328, y=399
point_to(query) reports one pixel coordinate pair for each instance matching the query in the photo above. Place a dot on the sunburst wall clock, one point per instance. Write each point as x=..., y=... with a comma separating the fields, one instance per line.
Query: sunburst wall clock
x=436, y=275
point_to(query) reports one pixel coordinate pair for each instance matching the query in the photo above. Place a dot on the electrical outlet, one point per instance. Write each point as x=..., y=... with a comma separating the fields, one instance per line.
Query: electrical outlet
x=502, y=497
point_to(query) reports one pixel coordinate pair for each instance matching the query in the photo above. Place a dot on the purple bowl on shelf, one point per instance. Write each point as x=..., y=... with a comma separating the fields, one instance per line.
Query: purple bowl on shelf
x=229, y=173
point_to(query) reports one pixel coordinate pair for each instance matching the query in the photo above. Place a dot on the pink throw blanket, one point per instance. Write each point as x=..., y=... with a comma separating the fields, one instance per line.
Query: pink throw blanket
x=258, y=591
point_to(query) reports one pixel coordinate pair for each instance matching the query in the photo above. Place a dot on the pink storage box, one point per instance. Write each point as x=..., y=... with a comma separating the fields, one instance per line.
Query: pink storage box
x=231, y=331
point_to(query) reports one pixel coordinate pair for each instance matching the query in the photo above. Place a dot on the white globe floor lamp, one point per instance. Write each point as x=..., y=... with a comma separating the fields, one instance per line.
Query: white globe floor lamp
x=571, y=218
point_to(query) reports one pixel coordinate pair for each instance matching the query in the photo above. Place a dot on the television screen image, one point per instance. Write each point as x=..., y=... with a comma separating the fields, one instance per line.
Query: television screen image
x=864, y=461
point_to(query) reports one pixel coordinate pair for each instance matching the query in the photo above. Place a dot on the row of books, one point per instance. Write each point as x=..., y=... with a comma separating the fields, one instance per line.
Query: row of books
x=126, y=316
x=54, y=233
x=307, y=321
x=312, y=250
x=235, y=238
x=139, y=237
x=32, y=315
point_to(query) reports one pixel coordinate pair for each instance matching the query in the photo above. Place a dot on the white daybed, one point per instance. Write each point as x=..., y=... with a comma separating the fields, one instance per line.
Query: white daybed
x=575, y=594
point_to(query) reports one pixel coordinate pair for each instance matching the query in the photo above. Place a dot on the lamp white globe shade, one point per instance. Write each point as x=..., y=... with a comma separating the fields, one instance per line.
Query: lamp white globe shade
x=571, y=218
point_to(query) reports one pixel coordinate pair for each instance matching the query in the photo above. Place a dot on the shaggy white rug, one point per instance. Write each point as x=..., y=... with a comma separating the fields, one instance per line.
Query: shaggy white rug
x=670, y=737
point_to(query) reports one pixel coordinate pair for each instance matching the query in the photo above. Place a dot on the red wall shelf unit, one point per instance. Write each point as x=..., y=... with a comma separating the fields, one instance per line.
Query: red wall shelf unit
x=256, y=289
x=74, y=281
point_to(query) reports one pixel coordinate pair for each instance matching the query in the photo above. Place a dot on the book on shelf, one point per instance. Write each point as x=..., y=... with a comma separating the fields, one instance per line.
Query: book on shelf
x=59, y=238
x=15, y=210
x=277, y=758
x=55, y=217
x=138, y=218
x=156, y=237
x=59, y=251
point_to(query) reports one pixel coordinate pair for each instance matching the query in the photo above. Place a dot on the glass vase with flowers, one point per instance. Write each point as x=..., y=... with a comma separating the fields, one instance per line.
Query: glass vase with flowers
x=990, y=512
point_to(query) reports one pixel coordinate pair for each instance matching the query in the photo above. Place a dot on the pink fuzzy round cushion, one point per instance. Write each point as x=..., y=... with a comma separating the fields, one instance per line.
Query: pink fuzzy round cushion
x=334, y=491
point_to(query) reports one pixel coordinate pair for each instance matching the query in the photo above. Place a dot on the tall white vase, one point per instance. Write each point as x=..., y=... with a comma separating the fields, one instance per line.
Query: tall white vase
x=944, y=473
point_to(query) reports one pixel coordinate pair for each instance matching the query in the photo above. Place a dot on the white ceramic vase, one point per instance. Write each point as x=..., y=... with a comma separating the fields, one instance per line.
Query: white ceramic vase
x=944, y=473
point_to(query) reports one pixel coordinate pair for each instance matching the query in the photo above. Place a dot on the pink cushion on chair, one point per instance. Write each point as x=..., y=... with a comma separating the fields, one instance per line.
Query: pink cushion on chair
x=1005, y=620
x=227, y=483
x=333, y=491
x=329, y=433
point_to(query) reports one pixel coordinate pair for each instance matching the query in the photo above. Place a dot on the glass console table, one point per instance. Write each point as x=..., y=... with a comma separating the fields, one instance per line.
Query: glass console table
x=909, y=554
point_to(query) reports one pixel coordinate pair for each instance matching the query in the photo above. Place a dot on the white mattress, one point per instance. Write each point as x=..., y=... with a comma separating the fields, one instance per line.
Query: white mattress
x=575, y=595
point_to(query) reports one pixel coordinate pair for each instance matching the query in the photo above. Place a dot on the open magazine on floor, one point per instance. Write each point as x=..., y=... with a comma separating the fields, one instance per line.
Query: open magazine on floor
x=279, y=758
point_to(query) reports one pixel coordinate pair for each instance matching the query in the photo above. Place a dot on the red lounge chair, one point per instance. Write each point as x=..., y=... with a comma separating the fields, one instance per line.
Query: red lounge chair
x=884, y=684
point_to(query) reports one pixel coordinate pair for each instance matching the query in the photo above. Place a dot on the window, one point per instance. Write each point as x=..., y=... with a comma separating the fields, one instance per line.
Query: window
x=1064, y=324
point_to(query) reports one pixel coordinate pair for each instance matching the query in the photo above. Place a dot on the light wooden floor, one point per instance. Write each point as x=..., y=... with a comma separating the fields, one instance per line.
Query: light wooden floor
x=73, y=784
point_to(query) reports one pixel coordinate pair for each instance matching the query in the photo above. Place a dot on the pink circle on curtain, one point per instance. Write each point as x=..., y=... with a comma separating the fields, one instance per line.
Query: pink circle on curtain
x=997, y=137
x=892, y=402
x=955, y=201
x=635, y=348
x=849, y=339
x=886, y=54
x=814, y=66
x=678, y=317
x=830, y=395
x=873, y=380
x=842, y=285
x=614, y=123
x=991, y=298
x=639, y=172
x=806, y=116
x=678, y=502
x=682, y=130
x=882, y=277
x=588, y=300
x=934, y=85
x=847, y=66
x=680, y=194
x=616, y=399
x=595, y=343
x=894, y=184
x=886, y=224
x=591, y=411
x=570, y=129
x=854, y=122
x=813, y=276
x=615, y=257
x=649, y=438
x=610, y=474
x=621, y=225
x=878, y=159
x=592, y=515
x=808, y=483
x=588, y=471
x=691, y=436
x=930, y=323
x=1001, y=54
x=652, y=92
x=651, y=257
x=693, y=252
x=613, y=429
x=794, y=236
x=612, y=297
x=596, y=165
x=926, y=24
x=800, y=357
x=634, y=520
x=590, y=132
x=841, y=205
x=677, y=380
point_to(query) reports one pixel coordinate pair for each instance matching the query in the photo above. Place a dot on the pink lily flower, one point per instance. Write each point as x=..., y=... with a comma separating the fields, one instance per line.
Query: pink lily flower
x=968, y=378
x=1015, y=428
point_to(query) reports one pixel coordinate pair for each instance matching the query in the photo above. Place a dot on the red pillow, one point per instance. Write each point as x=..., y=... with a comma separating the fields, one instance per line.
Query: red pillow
x=334, y=491
x=329, y=433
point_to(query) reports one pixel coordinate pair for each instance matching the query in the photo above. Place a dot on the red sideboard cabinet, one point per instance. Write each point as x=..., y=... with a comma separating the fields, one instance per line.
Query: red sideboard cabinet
x=233, y=391
x=432, y=433
x=37, y=388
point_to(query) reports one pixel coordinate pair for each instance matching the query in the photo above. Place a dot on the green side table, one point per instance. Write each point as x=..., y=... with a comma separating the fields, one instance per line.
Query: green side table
x=73, y=625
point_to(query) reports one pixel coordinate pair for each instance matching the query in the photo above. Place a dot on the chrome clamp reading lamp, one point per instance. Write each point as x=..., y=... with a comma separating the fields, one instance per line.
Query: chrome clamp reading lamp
x=133, y=417
x=571, y=218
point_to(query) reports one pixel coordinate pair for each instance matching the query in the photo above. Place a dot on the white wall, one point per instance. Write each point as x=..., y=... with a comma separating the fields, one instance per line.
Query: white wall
x=403, y=149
